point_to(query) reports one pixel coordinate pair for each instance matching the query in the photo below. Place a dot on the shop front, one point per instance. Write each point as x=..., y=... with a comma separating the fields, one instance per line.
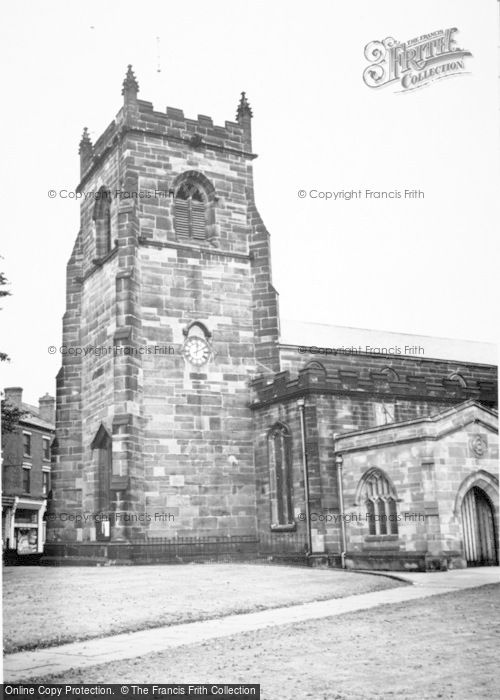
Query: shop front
x=23, y=527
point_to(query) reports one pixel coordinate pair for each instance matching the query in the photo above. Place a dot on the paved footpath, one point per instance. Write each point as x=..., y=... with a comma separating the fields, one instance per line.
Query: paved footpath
x=25, y=665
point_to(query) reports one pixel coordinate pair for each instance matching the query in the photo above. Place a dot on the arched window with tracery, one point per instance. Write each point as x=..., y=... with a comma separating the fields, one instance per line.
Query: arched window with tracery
x=191, y=211
x=280, y=475
x=380, y=499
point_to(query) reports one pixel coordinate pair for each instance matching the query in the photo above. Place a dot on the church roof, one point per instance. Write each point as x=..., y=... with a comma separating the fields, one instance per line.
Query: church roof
x=303, y=334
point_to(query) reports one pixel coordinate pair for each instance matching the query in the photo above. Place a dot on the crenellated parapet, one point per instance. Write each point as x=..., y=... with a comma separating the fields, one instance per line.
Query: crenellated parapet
x=434, y=385
x=138, y=117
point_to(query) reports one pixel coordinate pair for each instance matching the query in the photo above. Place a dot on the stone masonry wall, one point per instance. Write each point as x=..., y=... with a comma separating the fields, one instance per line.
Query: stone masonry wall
x=342, y=396
x=431, y=467
x=182, y=437
x=198, y=447
x=405, y=465
x=417, y=385
x=456, y=469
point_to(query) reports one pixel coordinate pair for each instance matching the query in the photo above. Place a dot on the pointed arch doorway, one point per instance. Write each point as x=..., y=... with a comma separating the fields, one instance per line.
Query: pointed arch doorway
x=478, y=524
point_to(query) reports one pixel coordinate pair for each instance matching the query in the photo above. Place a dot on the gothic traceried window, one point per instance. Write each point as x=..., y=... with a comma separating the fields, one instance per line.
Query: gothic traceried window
x=280, y=473
x=191, y=211
x=370, y=516
x=379, y=497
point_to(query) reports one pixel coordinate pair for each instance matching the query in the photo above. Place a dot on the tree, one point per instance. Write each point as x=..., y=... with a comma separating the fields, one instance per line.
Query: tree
x=10, y=417
x=10, y=414
x=3, y=293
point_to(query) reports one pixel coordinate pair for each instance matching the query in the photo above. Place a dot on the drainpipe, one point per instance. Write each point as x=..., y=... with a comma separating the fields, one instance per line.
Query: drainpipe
x=301, y=405
x=340, y=484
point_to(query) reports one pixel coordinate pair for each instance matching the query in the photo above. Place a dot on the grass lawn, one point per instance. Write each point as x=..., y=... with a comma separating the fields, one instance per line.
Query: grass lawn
x=444, y=646
x=44, y=606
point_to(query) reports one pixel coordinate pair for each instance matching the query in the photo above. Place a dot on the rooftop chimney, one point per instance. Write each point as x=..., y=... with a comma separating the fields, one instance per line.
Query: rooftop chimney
x=47, y=408
x=14, y=396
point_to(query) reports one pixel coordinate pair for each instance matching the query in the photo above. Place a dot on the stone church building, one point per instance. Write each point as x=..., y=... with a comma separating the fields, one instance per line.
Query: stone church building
x=186, y=412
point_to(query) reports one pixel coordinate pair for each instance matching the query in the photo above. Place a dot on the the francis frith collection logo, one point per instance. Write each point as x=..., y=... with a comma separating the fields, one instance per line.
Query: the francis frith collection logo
x=414, y=63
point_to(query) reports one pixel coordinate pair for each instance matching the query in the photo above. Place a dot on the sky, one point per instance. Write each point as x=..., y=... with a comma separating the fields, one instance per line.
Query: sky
x=425, y=266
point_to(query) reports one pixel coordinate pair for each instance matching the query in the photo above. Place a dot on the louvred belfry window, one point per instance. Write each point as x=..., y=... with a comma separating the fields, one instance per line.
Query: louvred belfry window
x=190, y=212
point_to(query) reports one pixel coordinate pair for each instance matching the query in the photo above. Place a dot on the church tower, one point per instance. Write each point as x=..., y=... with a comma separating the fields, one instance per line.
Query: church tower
x=170, y=313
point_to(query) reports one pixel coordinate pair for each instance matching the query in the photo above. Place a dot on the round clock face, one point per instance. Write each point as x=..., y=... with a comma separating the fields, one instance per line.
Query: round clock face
x=196, y=351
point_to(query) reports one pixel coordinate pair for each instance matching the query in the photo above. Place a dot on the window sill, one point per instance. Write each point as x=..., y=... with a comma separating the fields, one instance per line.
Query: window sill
x=381, y=538
x=290, y=527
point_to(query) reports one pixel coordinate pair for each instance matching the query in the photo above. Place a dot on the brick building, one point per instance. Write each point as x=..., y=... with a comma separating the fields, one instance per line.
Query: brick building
x=26, y=474
x=193, y=405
